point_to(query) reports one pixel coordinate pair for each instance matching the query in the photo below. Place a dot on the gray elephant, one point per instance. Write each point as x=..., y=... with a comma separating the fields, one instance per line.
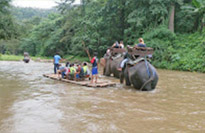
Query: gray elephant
x=112, y=65
x=26, y=57
x=143, y=76
x=111, y=61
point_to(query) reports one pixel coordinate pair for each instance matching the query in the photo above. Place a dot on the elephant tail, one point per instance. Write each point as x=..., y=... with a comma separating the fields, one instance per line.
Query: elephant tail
x=148, y=81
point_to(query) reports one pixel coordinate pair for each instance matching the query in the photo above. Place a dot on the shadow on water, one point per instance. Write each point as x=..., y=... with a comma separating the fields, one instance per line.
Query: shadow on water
x=32, y=103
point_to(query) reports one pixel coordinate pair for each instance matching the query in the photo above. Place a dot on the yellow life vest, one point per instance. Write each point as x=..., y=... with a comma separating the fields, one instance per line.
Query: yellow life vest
x=85, y=68
x=72, y=70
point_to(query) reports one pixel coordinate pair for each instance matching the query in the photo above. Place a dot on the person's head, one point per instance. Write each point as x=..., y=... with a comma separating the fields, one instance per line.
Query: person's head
x=141, y=40
x=78, y=65
x=57, y=53
x=67, y=64
x=95, y=53
x=71, y=65
x=84, y=64
x=121, y=42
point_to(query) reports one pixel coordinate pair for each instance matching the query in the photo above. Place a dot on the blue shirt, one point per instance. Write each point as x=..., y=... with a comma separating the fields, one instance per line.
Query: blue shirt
x=57, y=59
x=141, y=45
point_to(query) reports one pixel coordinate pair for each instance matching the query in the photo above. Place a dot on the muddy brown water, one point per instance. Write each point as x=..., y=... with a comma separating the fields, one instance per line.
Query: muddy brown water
x=31, y=103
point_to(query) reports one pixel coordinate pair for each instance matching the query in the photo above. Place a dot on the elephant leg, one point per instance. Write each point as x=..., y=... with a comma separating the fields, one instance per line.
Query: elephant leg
x=117, y=75
x=107, y=74
x=104, y=71
x=127, y=81
x=107, y=68
x=122, y=77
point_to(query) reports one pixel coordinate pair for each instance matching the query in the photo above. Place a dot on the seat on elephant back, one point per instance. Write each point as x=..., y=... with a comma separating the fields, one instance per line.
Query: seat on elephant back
x=117, y=53
x=137, y=52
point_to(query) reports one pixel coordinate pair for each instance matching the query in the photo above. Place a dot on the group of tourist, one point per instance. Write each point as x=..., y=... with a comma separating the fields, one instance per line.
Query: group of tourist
x=75, y=71
x=121, y=45
x=118, y=45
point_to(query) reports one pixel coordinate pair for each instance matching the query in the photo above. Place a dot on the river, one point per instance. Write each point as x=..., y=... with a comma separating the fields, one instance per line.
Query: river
x=31, y=103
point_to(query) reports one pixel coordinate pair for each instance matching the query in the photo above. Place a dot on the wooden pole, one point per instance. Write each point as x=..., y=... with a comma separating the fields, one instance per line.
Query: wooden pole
x=87, y=51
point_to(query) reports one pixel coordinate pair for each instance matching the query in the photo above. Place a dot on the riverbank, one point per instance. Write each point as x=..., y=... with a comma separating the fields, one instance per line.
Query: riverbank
x=10, y=57
x=183, y=60
x=20, y=57
x=42, y=59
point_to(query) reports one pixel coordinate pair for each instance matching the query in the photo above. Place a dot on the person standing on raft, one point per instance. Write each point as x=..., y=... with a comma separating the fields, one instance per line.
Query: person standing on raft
x=94, y=62
x=56, y=60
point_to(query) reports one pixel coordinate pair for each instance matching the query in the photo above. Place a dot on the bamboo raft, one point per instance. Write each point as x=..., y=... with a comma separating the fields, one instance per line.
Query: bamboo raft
x=100, y=83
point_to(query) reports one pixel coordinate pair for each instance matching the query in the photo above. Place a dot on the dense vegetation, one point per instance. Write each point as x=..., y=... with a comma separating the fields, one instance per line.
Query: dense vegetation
x=174, y=28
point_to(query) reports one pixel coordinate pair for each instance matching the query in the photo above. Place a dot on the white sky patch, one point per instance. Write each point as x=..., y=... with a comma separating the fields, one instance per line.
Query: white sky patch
x=46, y=4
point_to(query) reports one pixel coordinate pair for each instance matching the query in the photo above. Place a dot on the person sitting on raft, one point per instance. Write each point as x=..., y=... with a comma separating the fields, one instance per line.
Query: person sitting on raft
x=72, y=72
x=79, y=72
x=86, y=70
x=63, y=70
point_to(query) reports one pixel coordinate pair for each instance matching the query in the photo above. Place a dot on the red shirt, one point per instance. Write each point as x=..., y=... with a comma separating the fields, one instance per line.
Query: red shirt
x=92, y=61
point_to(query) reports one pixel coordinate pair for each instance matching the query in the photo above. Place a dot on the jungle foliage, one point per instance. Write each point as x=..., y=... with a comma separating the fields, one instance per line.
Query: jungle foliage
x=174, y=28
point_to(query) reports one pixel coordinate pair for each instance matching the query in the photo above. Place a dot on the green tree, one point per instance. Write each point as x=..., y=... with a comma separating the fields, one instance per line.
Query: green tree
x=197, y=8
x=7, y=24
x=173, y=4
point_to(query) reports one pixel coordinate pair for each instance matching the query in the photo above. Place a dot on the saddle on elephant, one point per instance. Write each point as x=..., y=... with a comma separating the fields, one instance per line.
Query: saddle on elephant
x=115, y=51
x=138, y=54
x=140, y=51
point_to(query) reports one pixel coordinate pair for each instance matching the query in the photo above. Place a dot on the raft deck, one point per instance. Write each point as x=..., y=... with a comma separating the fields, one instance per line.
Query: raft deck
x=100, y=83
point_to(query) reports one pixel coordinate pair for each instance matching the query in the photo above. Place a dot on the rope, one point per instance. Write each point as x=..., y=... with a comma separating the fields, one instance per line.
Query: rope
x=150, y=79
x=147, y=67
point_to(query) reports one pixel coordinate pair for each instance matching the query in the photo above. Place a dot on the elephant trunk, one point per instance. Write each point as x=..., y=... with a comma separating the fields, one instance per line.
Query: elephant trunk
x=148, y=81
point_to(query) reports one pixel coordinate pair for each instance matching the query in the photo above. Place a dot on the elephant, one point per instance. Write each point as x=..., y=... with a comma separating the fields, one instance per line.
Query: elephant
x=143, y=76
x=26, y=59
x=111, y=65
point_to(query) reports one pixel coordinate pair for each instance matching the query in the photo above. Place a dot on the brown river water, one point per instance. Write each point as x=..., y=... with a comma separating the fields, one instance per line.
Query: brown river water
x=30, y=103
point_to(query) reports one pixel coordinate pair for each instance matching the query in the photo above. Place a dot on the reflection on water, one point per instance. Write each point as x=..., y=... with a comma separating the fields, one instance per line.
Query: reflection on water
x=31, y=103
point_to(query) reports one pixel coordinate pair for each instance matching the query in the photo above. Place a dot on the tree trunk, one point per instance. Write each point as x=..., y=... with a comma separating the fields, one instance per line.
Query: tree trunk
x=122, y=20
x=202, y=24
x=171, y=18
